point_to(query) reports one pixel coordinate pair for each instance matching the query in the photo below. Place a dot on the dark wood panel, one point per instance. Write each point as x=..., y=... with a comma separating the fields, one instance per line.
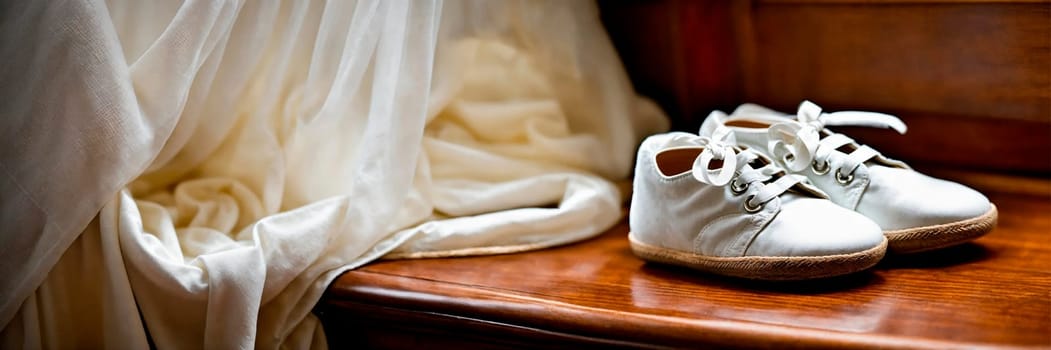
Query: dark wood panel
x=984, y=144
x=995, y=292
x=971, y=77
x=984, y=60
x=683, y=54
x=973, y=80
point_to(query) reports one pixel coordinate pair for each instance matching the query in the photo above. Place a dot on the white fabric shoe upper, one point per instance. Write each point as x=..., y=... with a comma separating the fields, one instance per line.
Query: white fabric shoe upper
x=707, y=197
x=854, y=176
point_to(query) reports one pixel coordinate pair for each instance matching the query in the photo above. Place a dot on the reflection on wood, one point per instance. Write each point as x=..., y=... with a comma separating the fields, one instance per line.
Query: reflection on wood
x=994, y=292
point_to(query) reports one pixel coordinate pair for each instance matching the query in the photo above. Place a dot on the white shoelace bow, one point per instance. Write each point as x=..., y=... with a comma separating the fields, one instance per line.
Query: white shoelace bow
x=798, y=143
x=720, y=146
x=735, y=168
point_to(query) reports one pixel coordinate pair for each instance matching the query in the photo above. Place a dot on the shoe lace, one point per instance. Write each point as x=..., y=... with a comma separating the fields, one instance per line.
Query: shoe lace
x=798, y=143
x=735, y=167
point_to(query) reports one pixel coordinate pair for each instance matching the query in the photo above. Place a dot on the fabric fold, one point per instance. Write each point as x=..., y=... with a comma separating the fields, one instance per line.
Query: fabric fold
x=236, y=157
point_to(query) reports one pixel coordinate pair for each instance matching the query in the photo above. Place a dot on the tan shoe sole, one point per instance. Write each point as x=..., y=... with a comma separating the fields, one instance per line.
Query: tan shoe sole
x=918, y=239
x=765, y=267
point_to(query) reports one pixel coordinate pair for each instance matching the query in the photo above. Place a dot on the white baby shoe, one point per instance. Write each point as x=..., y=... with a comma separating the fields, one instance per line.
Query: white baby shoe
x=917, y=212
x=704, y=203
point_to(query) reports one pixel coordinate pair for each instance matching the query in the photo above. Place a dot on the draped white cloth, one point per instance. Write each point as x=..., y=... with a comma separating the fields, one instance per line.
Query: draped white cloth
x=194, y=174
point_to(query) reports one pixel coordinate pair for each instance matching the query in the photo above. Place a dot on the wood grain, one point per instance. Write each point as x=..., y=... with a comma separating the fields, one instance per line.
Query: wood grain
x=683, y=54
x=992, y=293
x=971, y=78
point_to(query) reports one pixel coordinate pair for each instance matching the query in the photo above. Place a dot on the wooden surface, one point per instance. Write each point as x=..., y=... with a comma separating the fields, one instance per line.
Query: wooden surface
x=995, y=292
x=972, y=79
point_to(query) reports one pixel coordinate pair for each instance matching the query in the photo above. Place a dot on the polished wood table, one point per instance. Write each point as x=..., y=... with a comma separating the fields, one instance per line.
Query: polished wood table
x=995, y=292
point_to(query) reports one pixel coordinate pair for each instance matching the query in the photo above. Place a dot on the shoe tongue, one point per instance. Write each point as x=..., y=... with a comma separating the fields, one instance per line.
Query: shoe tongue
x=878, y=160
x=882, y=161
x=799, y=189
x=807, y=189
x=791, y=195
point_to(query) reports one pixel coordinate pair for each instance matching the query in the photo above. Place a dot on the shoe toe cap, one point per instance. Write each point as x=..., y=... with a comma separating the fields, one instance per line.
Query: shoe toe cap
x=913, y=200
x=815, y=227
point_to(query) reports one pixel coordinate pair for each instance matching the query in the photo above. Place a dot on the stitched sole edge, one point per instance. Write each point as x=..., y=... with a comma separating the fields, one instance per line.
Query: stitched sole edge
x=920, y=239
x=771, y=268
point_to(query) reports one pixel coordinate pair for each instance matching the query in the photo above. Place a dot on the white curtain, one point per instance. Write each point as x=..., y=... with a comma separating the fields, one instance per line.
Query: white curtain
x=194, y=174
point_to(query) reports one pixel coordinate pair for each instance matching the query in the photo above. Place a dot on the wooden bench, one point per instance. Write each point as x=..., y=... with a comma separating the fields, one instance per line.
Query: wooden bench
x=995, y=292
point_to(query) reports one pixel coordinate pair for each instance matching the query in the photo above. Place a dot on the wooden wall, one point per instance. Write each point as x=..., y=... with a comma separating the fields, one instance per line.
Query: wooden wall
x=972, y=79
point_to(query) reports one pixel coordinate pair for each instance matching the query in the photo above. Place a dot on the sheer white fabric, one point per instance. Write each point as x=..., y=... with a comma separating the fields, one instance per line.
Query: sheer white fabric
x=195, y=174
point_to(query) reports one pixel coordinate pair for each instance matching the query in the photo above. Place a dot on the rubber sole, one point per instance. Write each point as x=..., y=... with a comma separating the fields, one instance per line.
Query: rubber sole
x=920, y=239
x=770, y=268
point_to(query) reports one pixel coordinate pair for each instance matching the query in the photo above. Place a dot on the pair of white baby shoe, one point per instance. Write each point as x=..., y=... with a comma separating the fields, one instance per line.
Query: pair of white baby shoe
x=763, y=195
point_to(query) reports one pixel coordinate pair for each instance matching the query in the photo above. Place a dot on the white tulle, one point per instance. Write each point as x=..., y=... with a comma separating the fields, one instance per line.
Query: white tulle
x=195, y=174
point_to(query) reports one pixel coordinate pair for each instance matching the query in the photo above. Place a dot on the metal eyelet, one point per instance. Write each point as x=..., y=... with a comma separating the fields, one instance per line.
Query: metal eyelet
x=843, y=180
x=822, y=170
x=737, y=189
x=751, y=209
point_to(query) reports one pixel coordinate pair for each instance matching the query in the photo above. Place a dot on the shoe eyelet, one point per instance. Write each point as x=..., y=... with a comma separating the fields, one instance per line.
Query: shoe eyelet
x=737, y=189
x=822, y=170
x=750, y=209
x=844, y=179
